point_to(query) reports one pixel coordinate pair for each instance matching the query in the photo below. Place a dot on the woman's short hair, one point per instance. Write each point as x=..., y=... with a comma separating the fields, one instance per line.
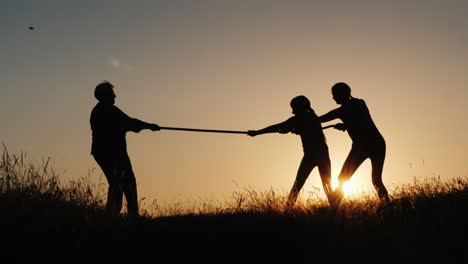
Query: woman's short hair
x=103, y=89
x=341, y=88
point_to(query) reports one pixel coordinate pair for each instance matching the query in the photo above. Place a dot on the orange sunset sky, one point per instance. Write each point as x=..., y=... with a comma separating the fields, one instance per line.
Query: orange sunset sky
x=235, y=65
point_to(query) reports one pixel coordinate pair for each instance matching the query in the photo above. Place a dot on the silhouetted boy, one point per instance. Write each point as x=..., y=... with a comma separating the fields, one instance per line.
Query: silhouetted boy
x=367, y=140
x=109, y=148
x=306, y=124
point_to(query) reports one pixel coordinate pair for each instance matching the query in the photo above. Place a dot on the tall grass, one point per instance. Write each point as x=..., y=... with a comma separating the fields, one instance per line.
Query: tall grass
x=45, y=218
x=22, y=179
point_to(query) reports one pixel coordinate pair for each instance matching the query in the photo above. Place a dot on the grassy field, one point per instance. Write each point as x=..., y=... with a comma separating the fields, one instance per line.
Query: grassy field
x=48, y=221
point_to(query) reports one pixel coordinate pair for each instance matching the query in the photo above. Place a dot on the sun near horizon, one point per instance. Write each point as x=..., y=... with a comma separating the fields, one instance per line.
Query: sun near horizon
x=348, y=188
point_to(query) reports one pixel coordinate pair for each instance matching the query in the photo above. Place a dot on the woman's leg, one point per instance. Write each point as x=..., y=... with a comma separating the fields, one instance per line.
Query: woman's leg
x=377, y=160
x=303, y=172
x=355, y=158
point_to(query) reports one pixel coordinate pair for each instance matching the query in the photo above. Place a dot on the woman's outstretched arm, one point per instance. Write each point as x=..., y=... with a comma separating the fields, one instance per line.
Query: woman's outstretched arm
x=333, y=114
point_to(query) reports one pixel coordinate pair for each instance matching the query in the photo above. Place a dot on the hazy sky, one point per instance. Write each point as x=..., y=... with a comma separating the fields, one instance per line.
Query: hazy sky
x=235, y=65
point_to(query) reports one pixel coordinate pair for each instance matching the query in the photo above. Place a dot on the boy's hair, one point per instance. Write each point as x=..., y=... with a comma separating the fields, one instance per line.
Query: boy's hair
x=341, y=87
x=102, y=90
x=300, y=101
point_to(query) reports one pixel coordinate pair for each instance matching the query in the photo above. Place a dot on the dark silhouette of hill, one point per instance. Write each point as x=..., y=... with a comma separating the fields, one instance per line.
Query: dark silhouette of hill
x=45, y=221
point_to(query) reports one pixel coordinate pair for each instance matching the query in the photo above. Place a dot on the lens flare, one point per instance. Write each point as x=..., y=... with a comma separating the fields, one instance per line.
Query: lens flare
x=348, y=187
x=118, y=64
x=114, y=62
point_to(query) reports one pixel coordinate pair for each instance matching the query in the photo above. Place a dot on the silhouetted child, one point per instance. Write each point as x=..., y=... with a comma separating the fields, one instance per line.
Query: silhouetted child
x=306, y=124
x=367, y=140
x=109, y=126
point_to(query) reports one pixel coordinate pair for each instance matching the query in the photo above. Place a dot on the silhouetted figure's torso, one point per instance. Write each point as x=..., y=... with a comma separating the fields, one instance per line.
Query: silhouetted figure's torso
x=308, y=126
x=359, y=124
x=109, y=126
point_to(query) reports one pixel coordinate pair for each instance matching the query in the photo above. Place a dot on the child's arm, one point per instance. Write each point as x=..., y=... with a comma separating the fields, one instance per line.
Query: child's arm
x=280, y=127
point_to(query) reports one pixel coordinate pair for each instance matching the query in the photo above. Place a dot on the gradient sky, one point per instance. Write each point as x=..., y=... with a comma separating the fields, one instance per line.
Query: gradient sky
x=235, y=65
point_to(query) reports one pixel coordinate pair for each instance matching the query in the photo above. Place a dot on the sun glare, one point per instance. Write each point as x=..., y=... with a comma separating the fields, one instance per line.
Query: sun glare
x=348, y=187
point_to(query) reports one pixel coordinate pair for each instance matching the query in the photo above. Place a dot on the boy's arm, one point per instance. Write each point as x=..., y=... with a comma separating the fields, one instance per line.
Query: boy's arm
x=280, y=127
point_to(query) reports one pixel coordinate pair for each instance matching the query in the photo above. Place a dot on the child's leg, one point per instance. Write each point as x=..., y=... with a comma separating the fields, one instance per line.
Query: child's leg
x=324, y=167
x=303, y=172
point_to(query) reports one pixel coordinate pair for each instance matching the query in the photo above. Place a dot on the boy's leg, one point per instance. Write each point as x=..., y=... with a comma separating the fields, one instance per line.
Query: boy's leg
x=324, y=167
x=302, y=173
